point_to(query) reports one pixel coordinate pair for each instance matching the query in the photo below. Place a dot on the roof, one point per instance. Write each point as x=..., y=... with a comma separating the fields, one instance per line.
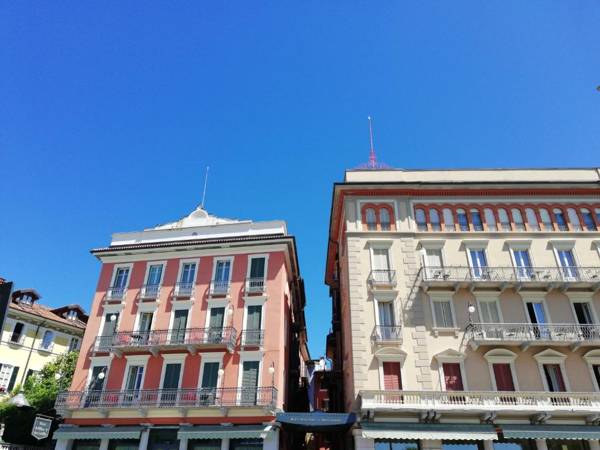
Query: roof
x=46, y=313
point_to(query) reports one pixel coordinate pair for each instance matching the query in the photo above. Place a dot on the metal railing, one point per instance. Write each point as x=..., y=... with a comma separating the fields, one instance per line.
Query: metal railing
x=511, y=274
x=252, y=338
x=383, y=334
x=150, y=291
x=255, y=285
x=379, y=278
x=468, y=401
x=164, y=338
x=167, y=398
x=183, y=289
x=116, y=293
x=219, y=287
x=532, y=332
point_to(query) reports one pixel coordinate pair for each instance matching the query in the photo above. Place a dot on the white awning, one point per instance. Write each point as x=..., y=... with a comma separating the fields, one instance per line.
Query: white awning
x=429, y=431
x=98, y=433
x=221, y=432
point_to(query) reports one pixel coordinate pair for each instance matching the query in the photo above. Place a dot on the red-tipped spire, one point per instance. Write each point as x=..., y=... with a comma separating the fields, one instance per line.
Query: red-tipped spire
x=372, y=157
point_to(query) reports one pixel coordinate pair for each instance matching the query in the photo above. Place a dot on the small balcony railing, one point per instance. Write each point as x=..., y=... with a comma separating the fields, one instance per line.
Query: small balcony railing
x=150, y=292
x=115, y=293
x=527, y=334
x=387, y=334
x=156, y=339
x=382, y=278
x=530, y=276
x=183, y=290
x=219, y=288
x=468, y=402
x=264, y=397
x=252, y=338
x=255, y=285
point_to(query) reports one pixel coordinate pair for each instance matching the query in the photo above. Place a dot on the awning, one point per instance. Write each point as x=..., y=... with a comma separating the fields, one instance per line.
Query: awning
x=316, y=421
x=551, y=431
x=428, y=431
x=224, y=431
x=98, y=433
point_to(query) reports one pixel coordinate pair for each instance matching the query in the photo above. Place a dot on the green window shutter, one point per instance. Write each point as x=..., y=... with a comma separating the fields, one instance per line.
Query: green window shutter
x=216, y=317
x=180, y=319
x=172, y=372
x=250, y=374
x=253, y=321
x=210, y=375
x=257, y=268
x=13, y=378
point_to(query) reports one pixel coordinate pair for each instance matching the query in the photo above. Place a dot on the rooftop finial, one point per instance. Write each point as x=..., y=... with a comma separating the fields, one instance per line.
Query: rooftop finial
x=372, y=157
x=204, y=190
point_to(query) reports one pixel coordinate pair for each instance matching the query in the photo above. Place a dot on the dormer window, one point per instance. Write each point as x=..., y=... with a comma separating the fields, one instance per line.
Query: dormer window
x=25, y=300
x=72, y=314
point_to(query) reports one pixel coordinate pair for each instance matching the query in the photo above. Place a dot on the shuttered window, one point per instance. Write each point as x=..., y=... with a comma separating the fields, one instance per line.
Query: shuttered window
x=442, y=311
x=257, y=268
x=391, y=376
x=210, y=375
x=503, y=376
x=249, y=381
x=453, y=377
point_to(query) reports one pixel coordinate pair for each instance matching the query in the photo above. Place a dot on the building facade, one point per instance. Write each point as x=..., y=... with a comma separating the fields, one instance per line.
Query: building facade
x=33, y=335
x=469, y=307
x=193, y=339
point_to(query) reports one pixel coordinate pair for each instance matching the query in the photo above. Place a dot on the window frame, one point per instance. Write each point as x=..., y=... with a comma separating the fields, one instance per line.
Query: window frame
x=576, y=297
x=439, y=297
x=482, y=297
x=162, y=272
x=501, y=356
x=451, y=357
x=137, y=360
x=211, y=357
x=377, y=205
x=170, y=358
x=113, y=277
x=550, y=356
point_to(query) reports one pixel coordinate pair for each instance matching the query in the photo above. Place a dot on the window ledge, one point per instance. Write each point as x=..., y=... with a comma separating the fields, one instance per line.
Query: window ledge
x=443, y=330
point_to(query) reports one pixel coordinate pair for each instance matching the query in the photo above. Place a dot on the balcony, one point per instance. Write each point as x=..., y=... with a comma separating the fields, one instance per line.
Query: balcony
x=382, y=279
x=261, y=397
x=456, y=277
x=255, y=286
x=252, y=338
x=153, y=341
x=387, y=335
x=150, y=292
x=483, y=402
x=527, y=334
x=115, y=293
x=183, y=290
x=219, y=288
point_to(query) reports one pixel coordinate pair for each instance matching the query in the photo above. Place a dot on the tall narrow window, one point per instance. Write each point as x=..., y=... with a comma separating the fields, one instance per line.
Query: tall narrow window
x=133, y=384
x=463, y=222
x=546, y=220
x=504, y=220
x=392, y=380
x=384, y=219
x=583, y=313
x=97, y=382
x=371, y=219
x=488, y=311
x=503, y=377
x=518, y=220
x=222, y=274
x=180, y=317
x=448, y=219
x=188, y=271
x=476, y=220
x=6, y=371
x=420, y=218
x=596, y=370
x=561, y=222
x=381, y=272
x=442, y=313
x=172, y=374
x=17, y=333
x=597, y=212
x=478, y=263
x=249, y=382
x=434, y=266
x=434, y=219
x=154, y=275
x=588, y=220
x=121, y=277
x=490, y=219
x=256, y=281
x=453, y=377
x=209, y=383
x=537, y=315
x=554, y=378
x=567, y=263
x=387, y=323
x=532, y=221
x=253, y=331
x=47, y=340
x=574, y=219
x=523, y=264
x=73, y=344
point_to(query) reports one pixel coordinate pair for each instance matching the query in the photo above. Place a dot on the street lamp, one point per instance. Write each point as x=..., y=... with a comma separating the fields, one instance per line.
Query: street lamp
x=471, y=310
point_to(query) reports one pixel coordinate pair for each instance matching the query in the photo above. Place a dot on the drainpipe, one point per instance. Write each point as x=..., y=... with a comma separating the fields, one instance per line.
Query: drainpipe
x=37, y=330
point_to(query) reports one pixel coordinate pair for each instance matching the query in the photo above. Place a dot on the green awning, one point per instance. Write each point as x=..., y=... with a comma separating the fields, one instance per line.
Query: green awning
x=551, y=431
x=429, y=431
x=224, y=431
x=98, y=433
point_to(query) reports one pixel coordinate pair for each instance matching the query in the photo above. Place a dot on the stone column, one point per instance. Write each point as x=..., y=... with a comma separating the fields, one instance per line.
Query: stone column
x=104, y=443
x=225, y=444
x=63, y=444
x=541, y=444
x=183, y=443
x=594, y=444
x=361, y=443
x=271, y=442
x=489, y=445
x=144, y=439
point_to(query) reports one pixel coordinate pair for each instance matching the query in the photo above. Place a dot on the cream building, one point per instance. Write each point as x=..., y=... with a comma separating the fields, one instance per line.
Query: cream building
x=469, y=308
x=34, y=335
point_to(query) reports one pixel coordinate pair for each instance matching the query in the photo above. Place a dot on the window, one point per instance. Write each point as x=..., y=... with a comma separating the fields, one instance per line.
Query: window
x=121, y=277
x=504, y=220
x=110, y=324
x=476, y=220
x=596, y=372
x=47, y=340
x=384, y=219
x=434, y=219
x=133, y=383
x=25, y=300
x=187, y=275
x=154, y=275
x=257, y=269
x=536, y=313
x=503, y=377
x=253, y=331
x=546, y=221
x=574, y=219
x=489, y=311
x=522, y=263
x=249, y=382
x=583, y=313
x=463, y=222
x=588, y=220
x=421, y=221
x=73, y=344
x=561, y=222
x=518, y=220
x=597, y=211
x=478, y=262
x=220, y=285
x=96, y=382
x=434, y=265
x=8, y=376
x=532, y=221
x=490, y=219
x=567, y=263
x=554, y=378
x=209, y=383
x=17, y=333
x=188, y=272
x=180, y=317
x=387, y=323
x=392, y=380
x=448, y=219
x=72, y=314
x=558, y=444
x=371, y=219
x=381, y=262
x=452, y=376
x=442, y=313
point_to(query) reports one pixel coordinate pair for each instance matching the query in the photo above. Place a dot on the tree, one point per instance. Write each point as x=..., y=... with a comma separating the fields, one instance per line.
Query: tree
x=40, y=390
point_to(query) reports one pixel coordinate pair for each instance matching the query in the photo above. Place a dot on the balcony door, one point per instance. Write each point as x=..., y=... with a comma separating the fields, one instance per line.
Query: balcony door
x=95, y=386
x=144, y=327
x=585, y=317
x=257, y=275
x=489, y=313
x=210, y=378
x=554, y=378
x=503, y=376
x=567, y=263
x=153, y=280
x=215, y=325
x=433, y=263
x=186, y=279
x=386, y=320
x=478, y=263
x=222, y=273
x=537, y=316
x=522, y=264
x=249, y=382
x=109, y=329
x=133, y=384
x=121, y=277
x=381, y=265
x=170, y=384
x=180, y=317
x=253, y=325
x=392, y=380
x=453, y=377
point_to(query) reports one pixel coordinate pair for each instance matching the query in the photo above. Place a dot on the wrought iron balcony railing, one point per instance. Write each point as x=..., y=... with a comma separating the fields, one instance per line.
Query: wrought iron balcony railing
x=532, y=333
x=382, y=278
x=483, y=401
x=183, y=290
x=252, y=338
x=219, y=287
x=115, y=293
x=156, y=339
x=150, y=292
x=387, y=334
x=255, y=285
x=265, y=397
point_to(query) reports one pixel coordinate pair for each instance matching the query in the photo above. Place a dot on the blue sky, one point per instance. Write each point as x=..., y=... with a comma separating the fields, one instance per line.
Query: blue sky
x=109, y=113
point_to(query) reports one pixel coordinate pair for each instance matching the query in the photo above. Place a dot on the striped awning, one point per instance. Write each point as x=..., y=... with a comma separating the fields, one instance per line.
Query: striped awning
x=570, y=432
x=222, y=431
x=429, y=431
x=98, y=433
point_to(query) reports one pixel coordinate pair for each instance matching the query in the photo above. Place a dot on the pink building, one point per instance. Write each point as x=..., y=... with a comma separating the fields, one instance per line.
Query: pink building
x=193, y=339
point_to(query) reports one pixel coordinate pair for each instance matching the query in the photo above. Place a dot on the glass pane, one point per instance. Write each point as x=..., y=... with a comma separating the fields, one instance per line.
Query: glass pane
x=557, y=444
x=384, y=219
x=371, y=219
x=124, y=444
x=513, y=444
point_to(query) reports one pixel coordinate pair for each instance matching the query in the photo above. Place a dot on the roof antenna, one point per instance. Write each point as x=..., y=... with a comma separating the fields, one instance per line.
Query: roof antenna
x=204, y=190
x=372, y=157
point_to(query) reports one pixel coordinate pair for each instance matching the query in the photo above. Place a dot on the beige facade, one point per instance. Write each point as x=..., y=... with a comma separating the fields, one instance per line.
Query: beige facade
x=478, y=281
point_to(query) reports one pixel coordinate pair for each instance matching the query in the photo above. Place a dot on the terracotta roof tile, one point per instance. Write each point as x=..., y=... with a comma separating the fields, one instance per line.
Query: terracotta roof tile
x=46, y=313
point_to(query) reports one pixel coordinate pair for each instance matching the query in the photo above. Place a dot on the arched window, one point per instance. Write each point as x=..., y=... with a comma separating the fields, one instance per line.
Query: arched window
x=588, y=220
x=517, y=219
x=561, y=222
x=476, y=220
x=546, y=221
x=490, y=219
x=421, y=222
x=504, y=221
x=463, y=222
x=434, y=219
x=371, y=219
x=46, y=343
x=384, y=219
x=532, y=221
x=448, y=219
x=574, y=219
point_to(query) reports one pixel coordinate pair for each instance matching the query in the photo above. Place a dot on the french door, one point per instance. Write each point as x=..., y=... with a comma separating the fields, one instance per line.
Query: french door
x=478, y=263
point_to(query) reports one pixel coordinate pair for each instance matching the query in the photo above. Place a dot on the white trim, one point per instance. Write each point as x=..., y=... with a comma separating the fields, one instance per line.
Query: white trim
x=387, y=201
x=98, y=361
x=218, y=304
x=535, y=297
x=476, y=244
x=248, y=356
x=147, y=307
x=519, y=244
x=380, y=245
x=488, y=297
x=172, y=316
x=501, y=356
x=592, y=359
x=136, y=323
x=114, y=274
x=582, y=297
x=217, y=259
x=253, y=302
x=550, y=356
x=135, y=360
x=434, y=244
x=188, y=261
x=451, y=356
x=162, y=272
x=210, y=358
x=257, y=256
x=172, y=358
